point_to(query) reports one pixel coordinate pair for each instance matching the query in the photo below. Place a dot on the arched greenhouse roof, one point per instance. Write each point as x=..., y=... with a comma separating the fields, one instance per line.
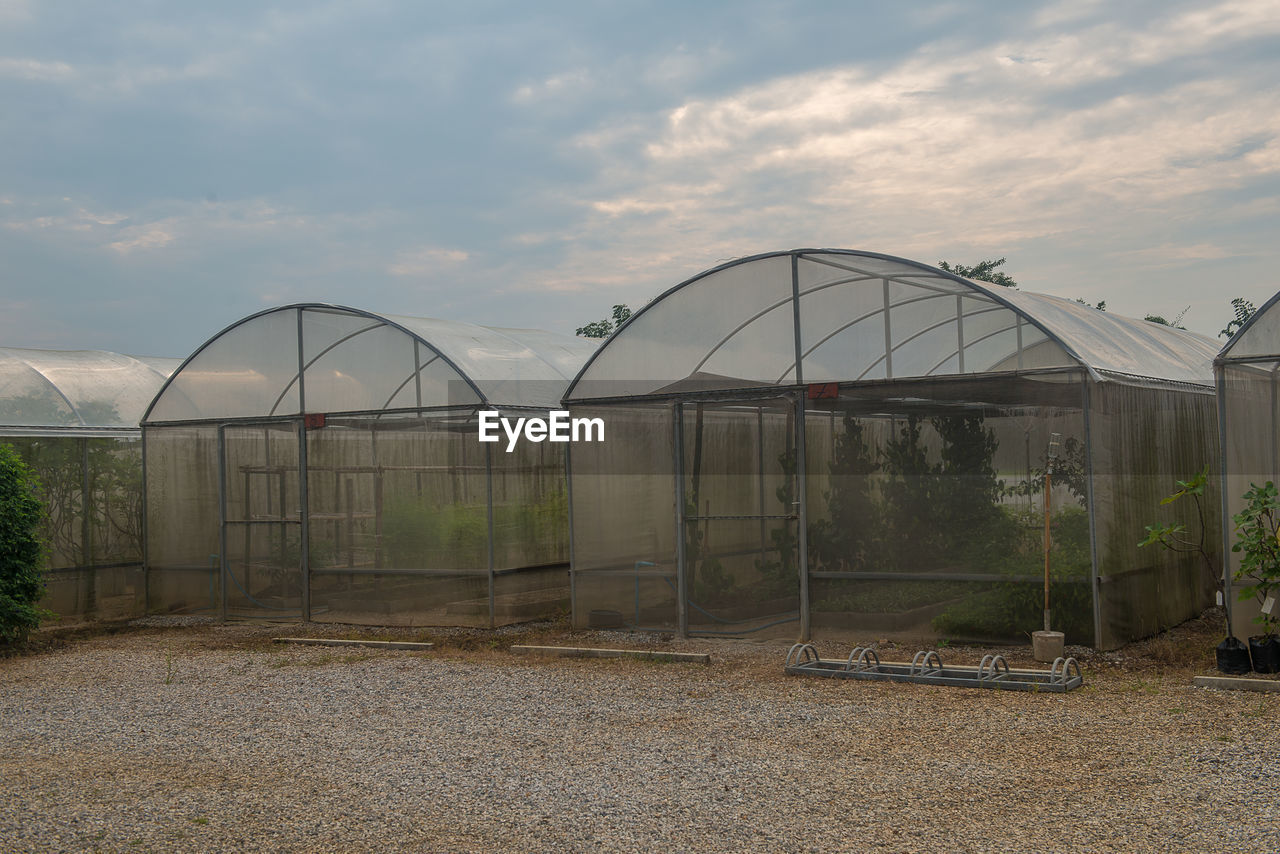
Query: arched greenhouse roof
x=334, y=359
x=1258, y=338
x=81, y=391
x=847, y=315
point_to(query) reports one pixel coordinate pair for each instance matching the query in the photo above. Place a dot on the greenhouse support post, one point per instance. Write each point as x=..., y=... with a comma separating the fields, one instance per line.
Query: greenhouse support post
x=573, y=564
x=1095, y=584
x=802, y=461
x=222, y=519
x=682, y=581
x=488, y=488
x=146, y=554
x=304, y=518
x=1220, y=378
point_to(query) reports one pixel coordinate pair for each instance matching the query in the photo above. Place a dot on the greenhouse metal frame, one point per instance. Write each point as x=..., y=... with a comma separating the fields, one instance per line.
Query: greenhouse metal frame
x=1249, y=417
x=838, y=441
x=322, y=462
x=73, y=417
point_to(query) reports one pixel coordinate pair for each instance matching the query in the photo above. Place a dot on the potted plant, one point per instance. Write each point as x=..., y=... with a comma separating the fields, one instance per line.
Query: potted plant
x=1232, y=654
x=1257, y=528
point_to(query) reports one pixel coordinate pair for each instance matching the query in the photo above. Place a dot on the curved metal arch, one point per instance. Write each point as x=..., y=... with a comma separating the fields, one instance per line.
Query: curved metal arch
x=318, y=306
x=933, y=272
x=41, y=374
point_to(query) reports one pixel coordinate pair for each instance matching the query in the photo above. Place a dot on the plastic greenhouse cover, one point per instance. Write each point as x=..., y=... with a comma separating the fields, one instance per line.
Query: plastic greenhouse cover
x=735, y=326
x=358, y=361
x=70, y=389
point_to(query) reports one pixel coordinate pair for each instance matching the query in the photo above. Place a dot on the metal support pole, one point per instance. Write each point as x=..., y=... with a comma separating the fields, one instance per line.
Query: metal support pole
x=86, y=532
x=802, y=536
x=1221, y=378
x=682, y=576
x=304, y=520
x=802, y=460
x=1047, y=504
x=488, y=480
x=222, y=518
x=1095, y=585
x=146, y=553
x=573, y=562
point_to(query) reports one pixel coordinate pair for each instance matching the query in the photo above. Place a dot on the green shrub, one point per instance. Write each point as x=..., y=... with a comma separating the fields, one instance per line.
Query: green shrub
x=21, y=553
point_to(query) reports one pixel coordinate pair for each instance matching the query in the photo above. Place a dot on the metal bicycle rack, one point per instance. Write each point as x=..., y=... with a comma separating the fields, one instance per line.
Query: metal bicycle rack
x=927, y=668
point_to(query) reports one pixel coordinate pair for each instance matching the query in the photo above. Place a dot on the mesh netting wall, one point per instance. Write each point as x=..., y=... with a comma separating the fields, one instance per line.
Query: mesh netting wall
x=1250, y=400
x=183, y=544
x=92, y=491
x=623, y=490
x=1143, y=441
x=397, y=522
x=926, y=510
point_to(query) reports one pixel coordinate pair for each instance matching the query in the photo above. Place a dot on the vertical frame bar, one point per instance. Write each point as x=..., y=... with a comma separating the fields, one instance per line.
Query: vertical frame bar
x=146, y=552
x=488, y=488
x=1220, y=382
x=1095, y=583
x=960, y=332
x=573, y=559
x=682, y=578
x=304, y=519
x=802, y=460
x=888, y=335
x=222, y=518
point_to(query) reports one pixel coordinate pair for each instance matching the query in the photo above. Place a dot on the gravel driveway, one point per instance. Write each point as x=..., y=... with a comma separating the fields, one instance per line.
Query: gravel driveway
x=211, y=738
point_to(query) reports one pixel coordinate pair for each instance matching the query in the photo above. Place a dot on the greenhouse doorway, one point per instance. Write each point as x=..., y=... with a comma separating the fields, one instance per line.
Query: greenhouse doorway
x=739, y=493
x=263, y=527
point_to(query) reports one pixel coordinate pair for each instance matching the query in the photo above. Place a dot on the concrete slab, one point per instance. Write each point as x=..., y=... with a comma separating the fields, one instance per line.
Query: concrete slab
x=591, y=652
x=377, y=644
x=1237, y=683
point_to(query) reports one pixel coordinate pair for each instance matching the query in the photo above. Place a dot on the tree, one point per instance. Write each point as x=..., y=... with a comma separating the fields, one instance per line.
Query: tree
x=1176, y=323
x=1100, y=305
x=984, y=271
x=604, y=328
x=1244, y=310
x=21, y=584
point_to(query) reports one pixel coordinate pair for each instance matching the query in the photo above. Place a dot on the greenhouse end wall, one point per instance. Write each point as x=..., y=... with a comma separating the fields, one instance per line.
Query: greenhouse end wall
x=399, y=528
x=924, y=511
x=92, y=491
x=1145, y=440
x=1250, y=402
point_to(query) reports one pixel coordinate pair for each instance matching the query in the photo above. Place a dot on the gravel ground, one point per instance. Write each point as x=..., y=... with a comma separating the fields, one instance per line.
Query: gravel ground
x=174, y=735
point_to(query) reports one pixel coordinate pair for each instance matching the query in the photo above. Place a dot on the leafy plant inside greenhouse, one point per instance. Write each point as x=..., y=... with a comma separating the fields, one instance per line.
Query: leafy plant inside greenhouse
x=904, y=508
x=1257, y=543
x=21, y=553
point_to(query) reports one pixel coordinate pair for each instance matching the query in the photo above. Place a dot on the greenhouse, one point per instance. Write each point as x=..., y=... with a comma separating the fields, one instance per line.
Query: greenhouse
x=323, y=463
x=73, y=417
x=1249, y=409
x=840, y=442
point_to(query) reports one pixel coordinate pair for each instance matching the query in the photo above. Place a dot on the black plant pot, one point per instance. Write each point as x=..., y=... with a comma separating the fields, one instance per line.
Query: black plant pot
x=1266, y=653
x=1233, y=656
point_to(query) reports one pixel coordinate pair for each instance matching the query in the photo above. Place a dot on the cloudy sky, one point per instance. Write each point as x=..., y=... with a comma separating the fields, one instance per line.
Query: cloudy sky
x=167, y=168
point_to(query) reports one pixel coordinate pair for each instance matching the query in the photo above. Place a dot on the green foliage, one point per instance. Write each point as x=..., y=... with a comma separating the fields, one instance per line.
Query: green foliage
x=1015, y=608
x=1176, y=323
x=1176, y=536
x=1068, y=470
x=421, y=534
x=850, y=538
x=604, y=328
x=909, y=497
x=1243, y=311
x=778, y=577
x=984, y=271
x=1257, y=529
x=1100, y=305
x=21, y=552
